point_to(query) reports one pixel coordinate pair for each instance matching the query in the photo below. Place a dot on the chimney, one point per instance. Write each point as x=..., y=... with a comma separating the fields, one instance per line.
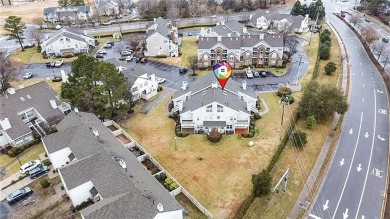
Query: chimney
x=154, y=20
x=218, y=38
x=248, y=106
x=5, y=124
x=261, y=36
x=244, y=85
x=21, y=86
x=53, y=104
x=180, y=105
x=244, y=30
x=11, y=90
x=184, y=87
x=160, y=207
x=153, y=77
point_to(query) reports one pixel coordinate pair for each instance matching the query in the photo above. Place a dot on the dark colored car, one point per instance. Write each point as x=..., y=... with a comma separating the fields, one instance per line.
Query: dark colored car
x=183, y=71
x=263, y=74
x=111, y=43
x=256, y=74
x=50, y=64
x=19, y=195
x=143, y=60
x=386, y=40
x=138, y=59
x=99, y=56
x=38, y=171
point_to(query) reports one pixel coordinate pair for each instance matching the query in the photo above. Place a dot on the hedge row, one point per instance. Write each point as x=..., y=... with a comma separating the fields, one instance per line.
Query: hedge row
x=17, y=150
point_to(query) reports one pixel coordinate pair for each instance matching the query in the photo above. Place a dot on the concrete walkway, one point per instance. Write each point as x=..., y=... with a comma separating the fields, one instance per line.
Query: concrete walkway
x=150, y=105
x=306, y=196
x=266, y=110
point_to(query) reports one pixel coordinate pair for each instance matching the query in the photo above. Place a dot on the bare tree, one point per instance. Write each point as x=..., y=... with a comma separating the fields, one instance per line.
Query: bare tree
x=386, y=59
x=8, y=70
x=38, y=21
x=193, y=6
x=291, y=44
x=369, y=35
x=212, y=6
x=192, y=63
x=227, y=4
x=134, y=40
x=380, y=48
x=173, y=10
x=355, y=19
x=36, y=34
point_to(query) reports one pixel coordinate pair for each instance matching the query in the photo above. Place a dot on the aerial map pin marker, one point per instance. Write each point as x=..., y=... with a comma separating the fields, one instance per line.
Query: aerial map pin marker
x=222, y=71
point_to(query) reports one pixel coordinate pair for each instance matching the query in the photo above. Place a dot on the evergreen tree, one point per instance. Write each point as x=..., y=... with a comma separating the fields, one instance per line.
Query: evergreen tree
x=261, y=184
x=296, y=9
x=15, y=29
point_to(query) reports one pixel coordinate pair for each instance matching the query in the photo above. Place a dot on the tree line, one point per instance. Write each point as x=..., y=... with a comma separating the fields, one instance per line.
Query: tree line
x=313, y=10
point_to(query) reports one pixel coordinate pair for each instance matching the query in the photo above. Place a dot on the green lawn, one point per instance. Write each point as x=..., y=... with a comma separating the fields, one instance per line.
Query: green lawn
x=31, y=154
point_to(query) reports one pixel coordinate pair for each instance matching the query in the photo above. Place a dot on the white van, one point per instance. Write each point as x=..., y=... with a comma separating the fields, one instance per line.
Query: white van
x=29, y=166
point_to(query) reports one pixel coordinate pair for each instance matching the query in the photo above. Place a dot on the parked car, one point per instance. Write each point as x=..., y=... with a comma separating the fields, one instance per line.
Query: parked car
x=367, y=20
x=183, y=71
x=214, y=15
x=59, y=63
x=99, y=56
x=121, y=68
x=107, y=46
x=143, y=60
x=38, y=171
x=27, y=75
x=249, y=73
x=129, y=58
x=263, y=74
x=102, y=52
x=58, y=27
x=110, y=42
x=29, y=166
x=28, y=45
x=160, y=80
x=271, y=32
x=125, y=53
x=19, y=195
x=50, y=64
x=385, y=39
x=107, y=23
x=256, y=74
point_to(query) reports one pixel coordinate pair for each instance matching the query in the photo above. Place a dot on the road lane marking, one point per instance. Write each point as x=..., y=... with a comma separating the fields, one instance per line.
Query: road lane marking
x=351, y=131
x=359, y=168
x=345, y=214
x=377, y=172
x=363, y=84
x=326, y=205
x=314, y=216
x=369, y=161
x=366, y=135
x=380, y=138
x=342, y=162
x=350, y=166
x=382, y=111
x=363, y=99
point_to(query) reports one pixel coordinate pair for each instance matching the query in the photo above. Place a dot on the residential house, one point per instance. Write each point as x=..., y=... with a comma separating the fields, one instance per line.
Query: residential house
x=63, y=14
x=67, y=42
x=224, y=29
x=107, y=7
x=26, y=111
x=88, y=172
x=246, y=50
x=384, y=8
x=203, y=105
x=274, y=20
x=143, y=85
x=162, y=39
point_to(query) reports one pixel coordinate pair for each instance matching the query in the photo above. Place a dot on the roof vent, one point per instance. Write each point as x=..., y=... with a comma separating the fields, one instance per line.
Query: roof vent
x=53, y=103
x=184, y=87
x=160, y=207
x=28, y=96
x=11, y=90
x=95, y=132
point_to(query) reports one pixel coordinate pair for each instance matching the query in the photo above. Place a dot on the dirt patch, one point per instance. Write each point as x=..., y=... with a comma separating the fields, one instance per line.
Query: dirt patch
x=112, y=128
x=123, y=139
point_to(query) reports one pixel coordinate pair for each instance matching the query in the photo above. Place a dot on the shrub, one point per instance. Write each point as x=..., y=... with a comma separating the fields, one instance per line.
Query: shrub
x=158, y=177
x=173, y=186
x=330, y=67
x=161, y=56
x=298, y=139
x=20, y=178
x=325, y=37
x=159, y=88
x=326, y=31
x=261, y=183
x=288, y=99
x=163, y=176
x=251, y=127
x=310, y=122
x=257, y=116
x=178, y=134
x=252, y=117
x=168, y=180
x=327, y=43
x=283, y=91
x=250, y=135
x=11, y=153
x=214, y=136
x=324, y=52
x=245, y=135
x=46, y=162
x=56, y=79
x=44, y=183
x=13, y=182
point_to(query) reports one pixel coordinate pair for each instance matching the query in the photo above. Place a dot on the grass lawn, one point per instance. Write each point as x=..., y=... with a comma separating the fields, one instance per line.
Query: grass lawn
x=56, y=86
x=231, y=159
x=194, y=212
x=188, y=48
x=279, y=205
x=311, y=51
x=31, y=154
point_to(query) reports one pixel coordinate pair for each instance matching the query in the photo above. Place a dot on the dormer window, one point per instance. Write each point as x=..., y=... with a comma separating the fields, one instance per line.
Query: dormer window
x=209, y=109
x=219, y=108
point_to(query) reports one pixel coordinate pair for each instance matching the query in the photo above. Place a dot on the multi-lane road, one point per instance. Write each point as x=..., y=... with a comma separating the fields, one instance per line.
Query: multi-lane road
x=355, y=183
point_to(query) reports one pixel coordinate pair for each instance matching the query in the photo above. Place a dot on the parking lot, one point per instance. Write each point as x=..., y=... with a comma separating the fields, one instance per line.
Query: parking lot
x=7, y=210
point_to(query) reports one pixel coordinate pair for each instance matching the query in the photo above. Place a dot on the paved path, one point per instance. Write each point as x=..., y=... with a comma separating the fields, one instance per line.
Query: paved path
x=154, y=103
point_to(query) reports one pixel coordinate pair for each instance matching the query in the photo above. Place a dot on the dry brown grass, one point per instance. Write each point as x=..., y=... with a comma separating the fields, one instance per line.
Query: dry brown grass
x=56, y=86
x=222, y=179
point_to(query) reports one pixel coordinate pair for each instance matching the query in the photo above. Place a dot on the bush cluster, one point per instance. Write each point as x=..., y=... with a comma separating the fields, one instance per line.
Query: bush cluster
x=161, y=56
x=56, y=79
x=325, y=45
x=17, y=150
x=214, y=136
x=169, y=184
x=83, y=205
x=46, y=162
x=159, y=88
x=44, y=183
x=283, y=91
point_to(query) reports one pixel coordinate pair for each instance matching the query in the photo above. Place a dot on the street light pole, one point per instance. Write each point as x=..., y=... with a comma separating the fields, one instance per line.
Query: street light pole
x=175, y=143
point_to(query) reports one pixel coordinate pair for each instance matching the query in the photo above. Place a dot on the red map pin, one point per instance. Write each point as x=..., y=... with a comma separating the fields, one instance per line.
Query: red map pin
x=222, y=71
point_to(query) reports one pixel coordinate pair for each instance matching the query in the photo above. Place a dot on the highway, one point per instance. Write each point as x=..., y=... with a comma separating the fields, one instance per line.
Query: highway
x=355, y=182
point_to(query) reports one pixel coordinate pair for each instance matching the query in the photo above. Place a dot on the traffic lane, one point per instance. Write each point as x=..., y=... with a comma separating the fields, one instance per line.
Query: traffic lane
x=5, y=210
x=41, y=71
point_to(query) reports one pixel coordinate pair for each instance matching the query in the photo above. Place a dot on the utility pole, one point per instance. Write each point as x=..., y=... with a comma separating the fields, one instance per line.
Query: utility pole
x=283, y=178
x=299, y=65
x=311, y=29
x=284, y=100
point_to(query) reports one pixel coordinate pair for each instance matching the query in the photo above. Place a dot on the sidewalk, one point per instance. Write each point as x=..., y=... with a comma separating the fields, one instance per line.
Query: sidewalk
x=306, y=198
x=154, y=103
x=23, y=183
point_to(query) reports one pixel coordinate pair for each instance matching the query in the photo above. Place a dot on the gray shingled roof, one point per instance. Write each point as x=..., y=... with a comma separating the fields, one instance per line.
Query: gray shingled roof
x=221, y=30
x=270, y=15
x=53, y=10
x=235, y=26
x=161, y=21
x=141, y=179
x=274, y=40
x=78, y=138
x=207, y=80
x=67, y=32
x=124, y=205
x=11, y=104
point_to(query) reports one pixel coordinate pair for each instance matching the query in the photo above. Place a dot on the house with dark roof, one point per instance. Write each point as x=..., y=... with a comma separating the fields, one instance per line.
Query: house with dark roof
x=203, y=105
x=91, y=174
x=224, y=29
x=67, y=42
x=27, y=111
x=108, y=7
x=143, y=85
x=64, y=14
x=245, y=50
x=264, y=19
x=162, y=38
